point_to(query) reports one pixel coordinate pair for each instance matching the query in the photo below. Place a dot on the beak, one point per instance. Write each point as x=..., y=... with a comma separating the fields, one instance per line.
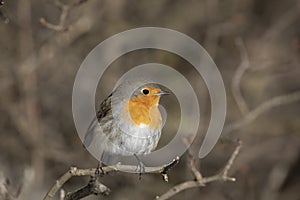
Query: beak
x=160, y=93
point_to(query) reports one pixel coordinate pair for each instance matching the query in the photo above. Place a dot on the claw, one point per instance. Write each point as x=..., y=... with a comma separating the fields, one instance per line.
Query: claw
x=140, y=167
x=99, y=170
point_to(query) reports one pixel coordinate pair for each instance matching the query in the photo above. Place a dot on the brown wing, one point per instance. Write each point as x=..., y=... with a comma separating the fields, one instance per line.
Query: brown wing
x=104, y=109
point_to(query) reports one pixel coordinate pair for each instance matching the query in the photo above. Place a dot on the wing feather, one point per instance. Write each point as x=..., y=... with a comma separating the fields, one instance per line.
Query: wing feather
x=104, y=109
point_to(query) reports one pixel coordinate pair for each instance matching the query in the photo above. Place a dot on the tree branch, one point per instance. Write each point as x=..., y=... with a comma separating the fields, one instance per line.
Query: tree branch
x=191, y=159
x=65, y=10
x=114, y=168
x=236, y=80
x=93, y=187
x=262, y=108
x=223, y=176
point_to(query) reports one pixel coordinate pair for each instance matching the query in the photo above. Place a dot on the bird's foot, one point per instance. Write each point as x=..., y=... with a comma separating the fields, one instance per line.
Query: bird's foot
x=140, y=167
x=99, y=170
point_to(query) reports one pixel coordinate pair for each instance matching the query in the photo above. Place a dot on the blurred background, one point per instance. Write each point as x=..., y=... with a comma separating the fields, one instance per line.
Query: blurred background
x=255, y=44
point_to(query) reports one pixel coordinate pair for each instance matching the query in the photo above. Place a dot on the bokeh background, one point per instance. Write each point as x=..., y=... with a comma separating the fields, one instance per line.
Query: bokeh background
x=255, y=44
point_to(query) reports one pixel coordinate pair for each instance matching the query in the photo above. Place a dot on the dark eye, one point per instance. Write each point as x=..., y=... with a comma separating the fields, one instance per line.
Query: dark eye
x=145, y=91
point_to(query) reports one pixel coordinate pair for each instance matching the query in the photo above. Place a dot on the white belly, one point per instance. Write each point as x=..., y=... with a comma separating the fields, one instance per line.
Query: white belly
x=136, y=140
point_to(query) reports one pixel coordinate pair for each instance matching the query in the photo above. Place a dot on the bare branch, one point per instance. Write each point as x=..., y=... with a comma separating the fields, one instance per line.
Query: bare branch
x=236, y=80
x=114, y=168
x=231, y=160
x=192, y=160
x=65, y=10
x=263, y=108
x=223, y=176
x=93, y=187
x=54, y=27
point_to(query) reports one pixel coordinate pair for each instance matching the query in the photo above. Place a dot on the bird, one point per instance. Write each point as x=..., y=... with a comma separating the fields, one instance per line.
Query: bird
x=129, y=122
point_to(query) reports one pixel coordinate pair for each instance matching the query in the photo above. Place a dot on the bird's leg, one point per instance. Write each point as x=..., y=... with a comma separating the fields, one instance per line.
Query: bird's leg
x=99, y=170
x=140, y=166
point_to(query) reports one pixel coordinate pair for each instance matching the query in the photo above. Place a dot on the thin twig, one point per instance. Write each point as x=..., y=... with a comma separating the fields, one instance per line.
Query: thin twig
x=262, y=108
x=65, y=10
x=236, y=80
x=191, y=159
x=223, y=176
x=54, y=27
x=232, y=159
x=93, y=187
x=114, y=168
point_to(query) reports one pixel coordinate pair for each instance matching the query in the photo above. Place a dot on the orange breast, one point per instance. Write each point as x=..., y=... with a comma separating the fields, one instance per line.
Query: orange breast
x=144, y=110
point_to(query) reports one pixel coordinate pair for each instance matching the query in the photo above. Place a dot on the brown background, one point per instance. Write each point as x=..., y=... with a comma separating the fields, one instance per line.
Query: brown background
x=38, y=140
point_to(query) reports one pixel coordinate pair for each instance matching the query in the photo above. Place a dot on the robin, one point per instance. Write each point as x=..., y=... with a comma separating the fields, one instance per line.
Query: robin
x=130, y=122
